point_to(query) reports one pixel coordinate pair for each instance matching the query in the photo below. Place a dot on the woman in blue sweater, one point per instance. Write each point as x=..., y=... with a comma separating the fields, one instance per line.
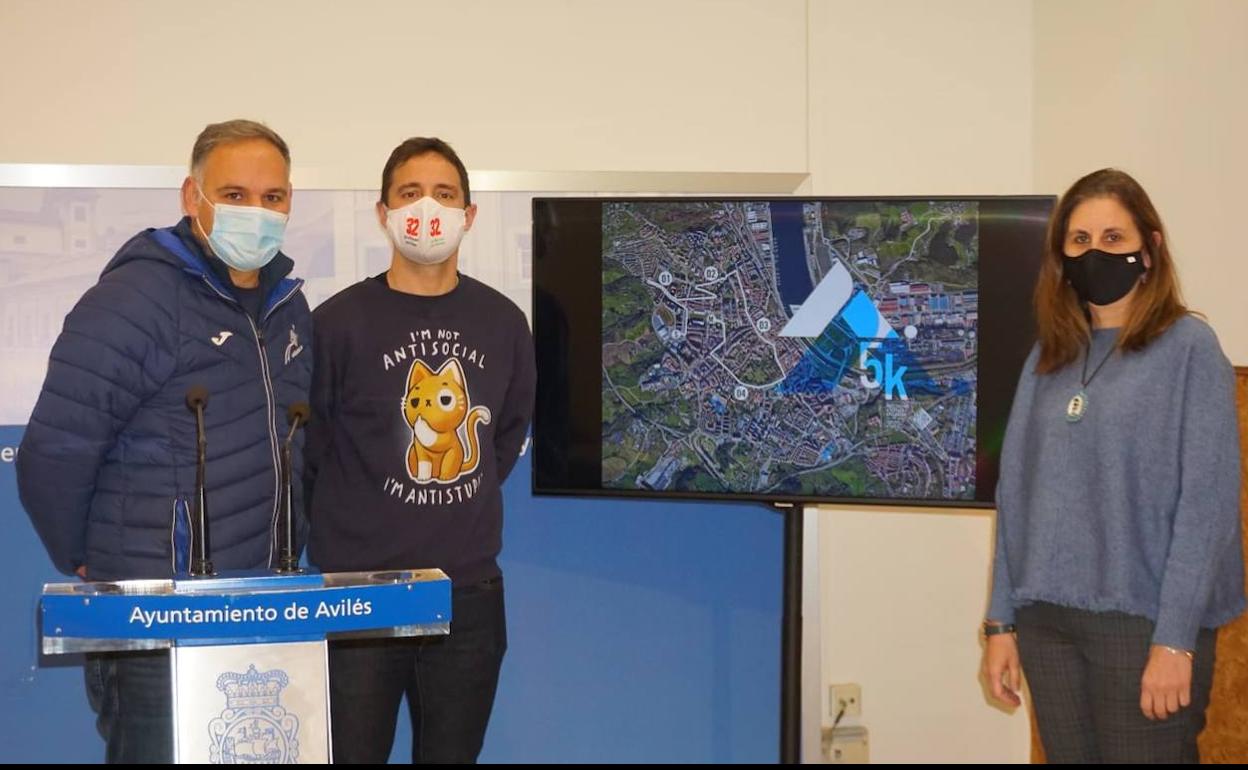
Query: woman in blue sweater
x=1118, y=548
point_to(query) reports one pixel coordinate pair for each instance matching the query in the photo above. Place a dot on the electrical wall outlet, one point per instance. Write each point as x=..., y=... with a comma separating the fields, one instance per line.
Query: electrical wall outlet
x=847, y=696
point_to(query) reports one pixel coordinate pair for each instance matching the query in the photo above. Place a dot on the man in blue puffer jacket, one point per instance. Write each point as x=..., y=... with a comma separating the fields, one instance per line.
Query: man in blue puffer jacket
x=106, y=469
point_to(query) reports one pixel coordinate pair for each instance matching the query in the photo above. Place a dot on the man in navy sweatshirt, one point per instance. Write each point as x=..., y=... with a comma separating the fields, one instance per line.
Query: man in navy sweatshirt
x=106, y=469
x=423, y=389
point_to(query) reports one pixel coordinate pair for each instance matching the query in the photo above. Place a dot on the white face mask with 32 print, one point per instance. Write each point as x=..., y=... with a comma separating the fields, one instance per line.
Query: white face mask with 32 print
x=244, y=237
x=425, y=231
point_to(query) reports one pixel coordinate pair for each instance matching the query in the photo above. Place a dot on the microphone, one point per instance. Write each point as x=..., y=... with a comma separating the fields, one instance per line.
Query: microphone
x=298, y=411
x=297, y=415
x=196, y=397
x=201, y=562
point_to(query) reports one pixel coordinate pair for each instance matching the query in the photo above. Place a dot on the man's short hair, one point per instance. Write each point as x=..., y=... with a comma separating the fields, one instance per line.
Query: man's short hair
x=421, y=145
x=217, y=134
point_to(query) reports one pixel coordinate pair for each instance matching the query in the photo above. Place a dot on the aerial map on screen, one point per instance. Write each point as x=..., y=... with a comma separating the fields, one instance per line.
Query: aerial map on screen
x=790, y=347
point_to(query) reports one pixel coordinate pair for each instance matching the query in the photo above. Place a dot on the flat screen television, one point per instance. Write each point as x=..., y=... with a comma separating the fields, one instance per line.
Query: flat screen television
x=795, y=350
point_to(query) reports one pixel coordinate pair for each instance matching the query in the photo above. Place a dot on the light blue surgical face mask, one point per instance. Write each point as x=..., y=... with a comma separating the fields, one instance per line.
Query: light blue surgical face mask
x=244, y=237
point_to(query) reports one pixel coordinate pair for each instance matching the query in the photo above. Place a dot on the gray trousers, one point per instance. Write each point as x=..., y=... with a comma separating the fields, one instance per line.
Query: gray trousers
x=1084, y=670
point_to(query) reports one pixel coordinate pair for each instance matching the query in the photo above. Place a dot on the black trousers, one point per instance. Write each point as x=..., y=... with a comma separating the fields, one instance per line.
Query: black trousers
x=1084, y=671
x=131, y=694
x=449, y=683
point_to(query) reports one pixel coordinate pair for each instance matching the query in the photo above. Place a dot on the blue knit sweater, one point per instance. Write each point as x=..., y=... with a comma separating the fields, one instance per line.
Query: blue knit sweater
x=1135, y=507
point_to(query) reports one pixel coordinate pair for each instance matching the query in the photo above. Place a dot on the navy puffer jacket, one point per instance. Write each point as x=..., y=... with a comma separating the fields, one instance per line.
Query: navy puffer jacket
x=106, y=469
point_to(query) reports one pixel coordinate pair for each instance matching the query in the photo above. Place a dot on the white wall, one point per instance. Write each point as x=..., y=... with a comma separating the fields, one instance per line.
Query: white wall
x=913, y=97
x=1157, y=88
x=695, y=85
x=904, y=594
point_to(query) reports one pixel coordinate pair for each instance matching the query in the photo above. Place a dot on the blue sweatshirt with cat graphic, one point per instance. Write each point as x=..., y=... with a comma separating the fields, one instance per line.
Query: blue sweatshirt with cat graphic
x=420, y=407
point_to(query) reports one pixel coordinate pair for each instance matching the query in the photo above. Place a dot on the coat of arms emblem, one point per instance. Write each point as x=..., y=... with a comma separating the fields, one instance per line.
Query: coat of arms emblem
x=254, y=728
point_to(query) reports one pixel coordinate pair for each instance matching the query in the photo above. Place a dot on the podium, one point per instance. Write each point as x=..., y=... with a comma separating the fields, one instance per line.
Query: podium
x=247, y=650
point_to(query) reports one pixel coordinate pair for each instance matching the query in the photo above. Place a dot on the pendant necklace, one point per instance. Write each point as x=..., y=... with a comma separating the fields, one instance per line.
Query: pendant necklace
x=1078, y=406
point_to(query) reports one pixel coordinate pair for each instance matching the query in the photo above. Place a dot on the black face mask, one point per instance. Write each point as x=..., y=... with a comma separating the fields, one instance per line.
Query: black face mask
x=1102, y=278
